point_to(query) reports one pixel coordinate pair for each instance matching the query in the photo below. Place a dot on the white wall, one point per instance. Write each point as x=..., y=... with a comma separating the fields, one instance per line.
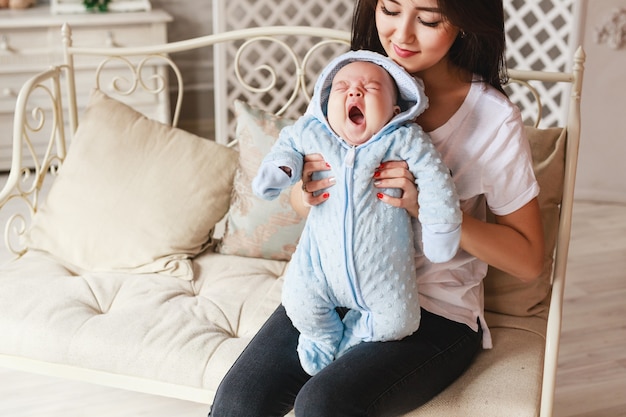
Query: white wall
x=193, y=18
x=602, y=165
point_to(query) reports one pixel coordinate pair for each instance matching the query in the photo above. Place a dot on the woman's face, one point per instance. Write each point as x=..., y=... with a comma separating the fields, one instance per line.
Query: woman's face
x=414, y=33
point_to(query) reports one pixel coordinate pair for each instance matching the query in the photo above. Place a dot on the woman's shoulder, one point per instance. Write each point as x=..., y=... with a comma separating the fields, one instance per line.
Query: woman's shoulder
x=484, y=110
x=493, y=102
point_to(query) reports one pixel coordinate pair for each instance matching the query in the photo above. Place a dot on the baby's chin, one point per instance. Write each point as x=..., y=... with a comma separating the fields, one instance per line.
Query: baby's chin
x=354, y=141
x=355, y=138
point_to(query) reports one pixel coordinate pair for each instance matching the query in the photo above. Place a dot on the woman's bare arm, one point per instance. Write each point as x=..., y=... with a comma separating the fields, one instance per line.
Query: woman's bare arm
x=513, y=244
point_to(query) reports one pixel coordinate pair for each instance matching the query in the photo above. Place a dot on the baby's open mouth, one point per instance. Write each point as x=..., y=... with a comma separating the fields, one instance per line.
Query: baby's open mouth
x=356, y=115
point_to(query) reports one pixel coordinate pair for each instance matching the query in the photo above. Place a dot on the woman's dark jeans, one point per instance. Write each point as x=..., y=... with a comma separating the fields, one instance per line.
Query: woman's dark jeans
x=371, y=379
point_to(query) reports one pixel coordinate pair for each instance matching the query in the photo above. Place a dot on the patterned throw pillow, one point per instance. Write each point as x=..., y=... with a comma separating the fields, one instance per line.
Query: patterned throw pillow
x=255, y=227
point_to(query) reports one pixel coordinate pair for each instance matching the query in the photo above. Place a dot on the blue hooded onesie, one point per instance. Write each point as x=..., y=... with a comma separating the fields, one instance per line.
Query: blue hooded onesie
x=356, y=251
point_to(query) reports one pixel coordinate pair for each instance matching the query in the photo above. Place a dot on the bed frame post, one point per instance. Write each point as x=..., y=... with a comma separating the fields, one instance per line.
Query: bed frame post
x=66, y=34
x=219, y=76
x=553, y=331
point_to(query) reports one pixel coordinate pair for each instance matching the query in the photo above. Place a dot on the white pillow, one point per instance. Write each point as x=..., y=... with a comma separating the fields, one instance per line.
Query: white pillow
x=133, y=194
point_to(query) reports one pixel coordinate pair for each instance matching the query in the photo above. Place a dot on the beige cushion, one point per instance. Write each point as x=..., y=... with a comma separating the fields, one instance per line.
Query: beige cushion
x=150, y=326
x=256, y=227
x=502, y=382
x=133, y=194
x=503, y=292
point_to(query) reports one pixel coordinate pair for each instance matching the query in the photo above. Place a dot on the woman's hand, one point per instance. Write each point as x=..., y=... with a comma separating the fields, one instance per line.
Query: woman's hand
x=396, y=174
x=305, y=194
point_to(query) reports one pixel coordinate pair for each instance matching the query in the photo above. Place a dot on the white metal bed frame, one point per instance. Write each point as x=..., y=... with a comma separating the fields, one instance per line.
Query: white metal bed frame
x=25, y=182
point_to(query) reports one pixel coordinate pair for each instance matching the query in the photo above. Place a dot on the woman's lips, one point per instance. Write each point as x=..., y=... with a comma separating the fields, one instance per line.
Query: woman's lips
x=403, y=53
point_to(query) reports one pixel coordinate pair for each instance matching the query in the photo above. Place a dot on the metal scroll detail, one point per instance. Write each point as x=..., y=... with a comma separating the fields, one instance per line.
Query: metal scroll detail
x=276, y=74
x=40, y=116
x=139, y=74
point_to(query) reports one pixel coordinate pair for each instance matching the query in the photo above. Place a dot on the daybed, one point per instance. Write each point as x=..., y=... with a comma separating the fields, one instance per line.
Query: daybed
x=147, y=264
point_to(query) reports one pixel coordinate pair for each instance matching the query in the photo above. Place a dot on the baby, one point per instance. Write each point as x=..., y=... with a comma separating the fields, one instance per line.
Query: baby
x=355, y=251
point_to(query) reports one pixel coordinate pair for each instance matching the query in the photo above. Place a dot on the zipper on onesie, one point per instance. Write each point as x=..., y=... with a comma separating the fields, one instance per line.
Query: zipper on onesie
x=348, y=226
x=352, y=277
x=349, y=160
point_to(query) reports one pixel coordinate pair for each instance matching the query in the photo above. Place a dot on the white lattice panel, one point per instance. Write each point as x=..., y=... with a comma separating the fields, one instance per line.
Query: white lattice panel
x=240, y=14
x=541, y=36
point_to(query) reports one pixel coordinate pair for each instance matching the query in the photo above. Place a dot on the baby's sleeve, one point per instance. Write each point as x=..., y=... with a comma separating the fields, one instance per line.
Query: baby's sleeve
x=271, y=179
x=440, y=212
x=441, y=241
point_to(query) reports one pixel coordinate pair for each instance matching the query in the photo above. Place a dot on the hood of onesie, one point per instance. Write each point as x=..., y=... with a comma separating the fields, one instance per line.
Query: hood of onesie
x=411, y=97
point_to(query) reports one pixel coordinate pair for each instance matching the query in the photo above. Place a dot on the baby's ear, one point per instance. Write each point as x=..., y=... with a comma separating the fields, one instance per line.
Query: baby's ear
x=396, y=110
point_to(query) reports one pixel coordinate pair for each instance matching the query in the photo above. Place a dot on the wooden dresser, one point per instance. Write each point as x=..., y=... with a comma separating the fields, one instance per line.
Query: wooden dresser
x=30, y=41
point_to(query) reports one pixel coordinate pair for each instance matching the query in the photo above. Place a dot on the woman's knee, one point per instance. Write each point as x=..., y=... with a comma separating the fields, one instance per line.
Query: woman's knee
x=239, y=401
x=318, y=398
x=228, y=403
x=312, y=401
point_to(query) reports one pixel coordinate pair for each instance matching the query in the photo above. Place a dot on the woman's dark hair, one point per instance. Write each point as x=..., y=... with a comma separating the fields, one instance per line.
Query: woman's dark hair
x=364, y=31
x=479, y=48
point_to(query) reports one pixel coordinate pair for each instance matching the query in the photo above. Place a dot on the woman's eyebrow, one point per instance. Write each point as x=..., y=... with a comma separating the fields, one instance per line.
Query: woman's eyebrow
x=428, y=9
x=422, y=9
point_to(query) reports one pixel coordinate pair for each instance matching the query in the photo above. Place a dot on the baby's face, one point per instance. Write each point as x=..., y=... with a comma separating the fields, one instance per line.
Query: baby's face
x=362, y=100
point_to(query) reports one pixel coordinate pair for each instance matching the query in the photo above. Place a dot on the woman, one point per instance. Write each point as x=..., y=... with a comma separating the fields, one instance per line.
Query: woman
x=456, y=47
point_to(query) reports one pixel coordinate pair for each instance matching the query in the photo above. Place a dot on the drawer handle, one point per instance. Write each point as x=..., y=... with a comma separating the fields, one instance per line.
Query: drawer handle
x=8, y=92
x=4, y=44
x=110, y=40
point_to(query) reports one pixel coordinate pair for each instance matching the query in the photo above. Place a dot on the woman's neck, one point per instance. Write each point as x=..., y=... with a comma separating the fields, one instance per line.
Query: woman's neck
x=446, y=87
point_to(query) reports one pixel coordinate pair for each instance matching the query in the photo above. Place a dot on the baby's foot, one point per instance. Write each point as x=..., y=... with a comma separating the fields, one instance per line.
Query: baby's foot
x=314, y=356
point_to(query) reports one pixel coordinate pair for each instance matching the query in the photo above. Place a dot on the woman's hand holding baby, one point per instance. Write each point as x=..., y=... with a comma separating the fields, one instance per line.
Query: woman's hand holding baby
x=392, y=174
x=304, y=196
x=396, y=174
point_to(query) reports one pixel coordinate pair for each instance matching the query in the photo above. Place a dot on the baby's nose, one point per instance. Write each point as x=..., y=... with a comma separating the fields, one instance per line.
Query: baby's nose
x=355, y=93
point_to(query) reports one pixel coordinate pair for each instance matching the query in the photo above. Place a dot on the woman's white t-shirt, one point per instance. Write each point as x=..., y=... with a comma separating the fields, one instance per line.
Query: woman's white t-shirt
x=489, y=157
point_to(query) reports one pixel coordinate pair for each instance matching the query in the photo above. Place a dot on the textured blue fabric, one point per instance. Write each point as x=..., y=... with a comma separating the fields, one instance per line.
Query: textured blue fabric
x=356, y=251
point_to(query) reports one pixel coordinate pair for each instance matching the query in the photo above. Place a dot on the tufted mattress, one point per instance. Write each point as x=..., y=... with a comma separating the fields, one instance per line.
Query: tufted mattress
x=168, y=336
x=148, y=326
